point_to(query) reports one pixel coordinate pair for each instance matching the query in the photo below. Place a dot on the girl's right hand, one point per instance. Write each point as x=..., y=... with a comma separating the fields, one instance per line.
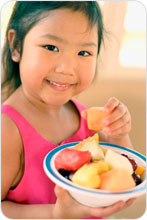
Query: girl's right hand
x=68, y=208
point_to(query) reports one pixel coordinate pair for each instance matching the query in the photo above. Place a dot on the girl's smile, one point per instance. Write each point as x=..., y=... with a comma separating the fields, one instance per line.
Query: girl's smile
x=59, y=57
x=59, y=85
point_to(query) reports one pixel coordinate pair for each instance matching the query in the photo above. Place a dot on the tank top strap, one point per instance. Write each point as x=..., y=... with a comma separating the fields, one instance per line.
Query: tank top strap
x=78, y=105
x=23, y=125
x=20, y=121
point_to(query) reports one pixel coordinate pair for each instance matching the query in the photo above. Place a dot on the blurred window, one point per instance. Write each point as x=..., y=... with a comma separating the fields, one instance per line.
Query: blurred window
x=5, y=15
x=133, y=49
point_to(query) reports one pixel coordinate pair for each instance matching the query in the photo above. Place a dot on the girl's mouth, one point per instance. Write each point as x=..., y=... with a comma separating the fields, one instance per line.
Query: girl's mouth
x=58, y=86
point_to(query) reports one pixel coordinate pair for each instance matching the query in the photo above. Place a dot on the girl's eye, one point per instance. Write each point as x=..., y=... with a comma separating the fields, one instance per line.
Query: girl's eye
x=51, y=48
x=84, y=53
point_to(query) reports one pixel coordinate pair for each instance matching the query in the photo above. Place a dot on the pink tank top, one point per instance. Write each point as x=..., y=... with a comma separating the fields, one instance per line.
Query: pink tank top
x=35, y=187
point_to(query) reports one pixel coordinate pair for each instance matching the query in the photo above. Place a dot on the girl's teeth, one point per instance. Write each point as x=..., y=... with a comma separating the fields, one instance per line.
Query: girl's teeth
x=56, y=84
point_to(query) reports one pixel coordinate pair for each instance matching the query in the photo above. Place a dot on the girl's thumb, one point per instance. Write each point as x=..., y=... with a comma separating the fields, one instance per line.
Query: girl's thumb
x=61, y=193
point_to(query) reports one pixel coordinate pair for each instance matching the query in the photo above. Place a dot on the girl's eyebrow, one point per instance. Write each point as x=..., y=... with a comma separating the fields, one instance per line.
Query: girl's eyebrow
x=59, y=39
x=53, y=37
x=89, y=44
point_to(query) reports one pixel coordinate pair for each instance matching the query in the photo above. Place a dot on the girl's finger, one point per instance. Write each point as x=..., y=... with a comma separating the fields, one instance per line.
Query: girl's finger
x=61, y=193
x=107, y=211
x=120, y=131
x=115, y=115
x=119, y=123
x=128, y=203
x=111, y=104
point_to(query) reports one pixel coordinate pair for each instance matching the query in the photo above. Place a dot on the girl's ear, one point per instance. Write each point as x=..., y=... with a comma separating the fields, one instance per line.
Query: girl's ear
x=15, y=52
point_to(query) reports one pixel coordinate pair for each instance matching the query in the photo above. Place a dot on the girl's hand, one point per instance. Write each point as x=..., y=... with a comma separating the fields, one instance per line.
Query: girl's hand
x=118, y=123
x=68, y=208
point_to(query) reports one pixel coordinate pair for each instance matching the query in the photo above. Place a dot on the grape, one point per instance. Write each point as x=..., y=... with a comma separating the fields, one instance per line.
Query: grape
x=64, y=173
x=136, y=178
x=134, y=164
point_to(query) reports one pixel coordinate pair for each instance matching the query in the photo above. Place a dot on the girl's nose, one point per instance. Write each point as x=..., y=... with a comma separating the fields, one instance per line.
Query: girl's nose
x=65, y=65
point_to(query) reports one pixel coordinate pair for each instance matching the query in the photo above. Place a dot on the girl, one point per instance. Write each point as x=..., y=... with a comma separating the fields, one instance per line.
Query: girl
x=50, y=55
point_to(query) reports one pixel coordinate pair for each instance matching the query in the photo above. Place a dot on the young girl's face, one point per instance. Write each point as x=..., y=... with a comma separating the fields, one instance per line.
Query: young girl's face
x=59, y=57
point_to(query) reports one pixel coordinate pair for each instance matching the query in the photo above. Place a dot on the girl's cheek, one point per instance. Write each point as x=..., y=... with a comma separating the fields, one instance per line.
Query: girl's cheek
x=87, y=78
x=89, y=71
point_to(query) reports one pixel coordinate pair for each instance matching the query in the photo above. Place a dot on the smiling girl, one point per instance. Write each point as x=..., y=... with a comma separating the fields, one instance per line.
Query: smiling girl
x=50, y=55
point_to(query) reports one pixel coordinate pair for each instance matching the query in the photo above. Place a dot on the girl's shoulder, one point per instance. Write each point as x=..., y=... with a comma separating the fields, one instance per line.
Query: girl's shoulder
x=10, y=130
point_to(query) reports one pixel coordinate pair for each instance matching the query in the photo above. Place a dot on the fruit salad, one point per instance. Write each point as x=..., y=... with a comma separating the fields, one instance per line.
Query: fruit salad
x=89, y=165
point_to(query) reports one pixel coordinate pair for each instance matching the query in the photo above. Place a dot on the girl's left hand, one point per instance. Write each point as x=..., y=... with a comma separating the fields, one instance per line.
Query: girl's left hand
x=118, y=123
x=68, y=208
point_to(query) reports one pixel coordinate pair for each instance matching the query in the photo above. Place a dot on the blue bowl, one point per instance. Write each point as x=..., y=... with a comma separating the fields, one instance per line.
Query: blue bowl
x=94, y=197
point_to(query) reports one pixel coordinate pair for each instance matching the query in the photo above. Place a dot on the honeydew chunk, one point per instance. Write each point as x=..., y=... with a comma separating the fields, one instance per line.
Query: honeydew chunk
x=91, y=144
x=116, y=160
x=95, y=138
x=94, y=149
x=87, y=176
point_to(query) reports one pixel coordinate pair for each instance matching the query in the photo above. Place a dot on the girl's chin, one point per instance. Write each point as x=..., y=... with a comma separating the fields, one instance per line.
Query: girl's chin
x=57, y=101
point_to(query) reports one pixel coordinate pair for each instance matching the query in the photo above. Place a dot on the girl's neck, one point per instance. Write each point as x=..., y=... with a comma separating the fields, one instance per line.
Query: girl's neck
x=37, y=105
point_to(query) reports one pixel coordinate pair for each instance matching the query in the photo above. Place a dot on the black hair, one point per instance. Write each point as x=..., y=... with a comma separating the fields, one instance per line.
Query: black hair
x=24, y=16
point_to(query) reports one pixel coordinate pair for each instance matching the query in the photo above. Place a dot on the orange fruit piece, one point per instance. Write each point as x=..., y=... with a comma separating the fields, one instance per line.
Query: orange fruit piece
x=95, y=116
x=140, y=170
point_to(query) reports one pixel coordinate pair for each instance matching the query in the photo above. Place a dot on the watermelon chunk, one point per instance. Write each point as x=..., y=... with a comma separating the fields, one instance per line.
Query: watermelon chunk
x=71, y=159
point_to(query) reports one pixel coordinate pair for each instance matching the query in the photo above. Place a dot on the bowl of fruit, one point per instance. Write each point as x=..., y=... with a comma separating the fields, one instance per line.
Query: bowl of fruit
x=95, y=173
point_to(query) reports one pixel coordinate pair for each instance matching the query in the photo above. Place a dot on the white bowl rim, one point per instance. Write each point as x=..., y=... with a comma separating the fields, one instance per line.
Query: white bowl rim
x=63, y=182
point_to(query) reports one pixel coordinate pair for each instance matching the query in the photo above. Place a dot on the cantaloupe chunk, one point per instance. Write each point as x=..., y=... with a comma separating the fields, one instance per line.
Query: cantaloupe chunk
x=116, y=180
x=95, y=115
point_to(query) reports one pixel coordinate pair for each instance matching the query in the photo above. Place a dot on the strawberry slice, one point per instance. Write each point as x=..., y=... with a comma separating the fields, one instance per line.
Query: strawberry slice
x=71, y=159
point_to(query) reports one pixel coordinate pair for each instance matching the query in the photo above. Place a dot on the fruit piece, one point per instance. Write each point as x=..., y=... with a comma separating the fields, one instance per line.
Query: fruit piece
x=65, y=173
x=71, y=159
x=134, y=164
x=116, y=180
x=140, y=170
x=87, y=176
x=91, y=144
x=94, y=149
x=95, y=115
x=136, y=178
x=102, y=166
x=95, y=138
x=116, y=160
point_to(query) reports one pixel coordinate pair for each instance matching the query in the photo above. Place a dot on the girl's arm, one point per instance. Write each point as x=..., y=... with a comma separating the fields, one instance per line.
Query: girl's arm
x=124, y=141
x=22, y=211
x=11, y=150
x=65, y=208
